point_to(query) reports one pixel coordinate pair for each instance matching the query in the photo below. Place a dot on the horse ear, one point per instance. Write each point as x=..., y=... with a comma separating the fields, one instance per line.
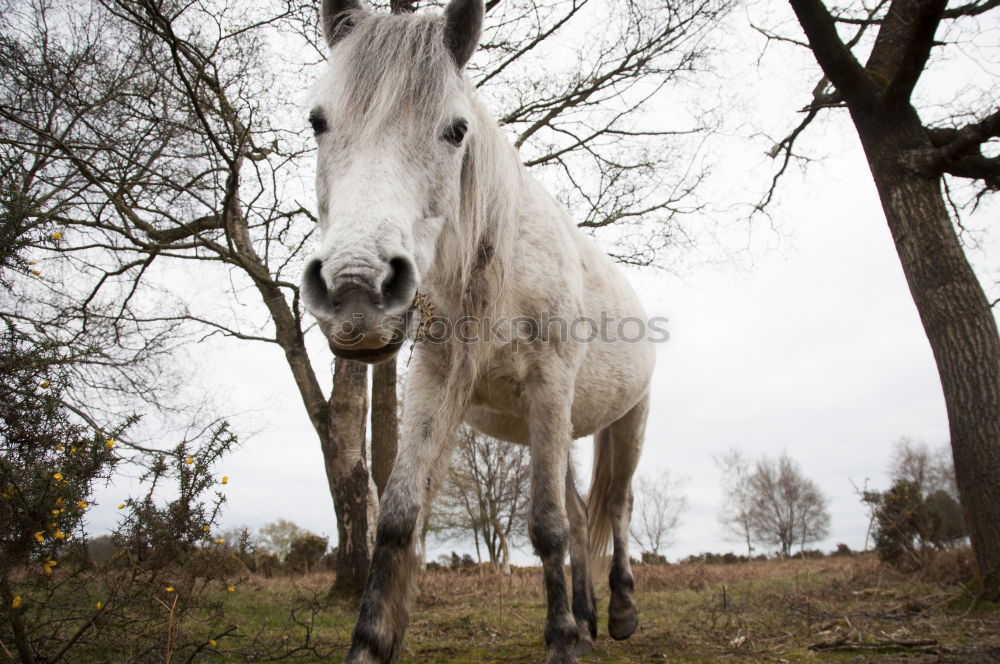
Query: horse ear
x=335, y=17
x=463, y=21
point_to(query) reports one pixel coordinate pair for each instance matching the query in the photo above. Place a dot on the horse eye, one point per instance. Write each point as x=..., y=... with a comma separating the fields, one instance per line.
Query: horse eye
x=456, y=132
x=318, y=122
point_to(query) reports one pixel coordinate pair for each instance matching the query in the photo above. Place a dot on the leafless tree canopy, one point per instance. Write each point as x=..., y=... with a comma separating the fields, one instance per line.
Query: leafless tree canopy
x=658, y=505
x=788, y=509
x=927, y=469
x=486, y=493
x=772, y=503
x=735, y=514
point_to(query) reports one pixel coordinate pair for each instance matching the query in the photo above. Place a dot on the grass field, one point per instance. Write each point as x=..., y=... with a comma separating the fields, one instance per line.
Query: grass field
x=821, y=610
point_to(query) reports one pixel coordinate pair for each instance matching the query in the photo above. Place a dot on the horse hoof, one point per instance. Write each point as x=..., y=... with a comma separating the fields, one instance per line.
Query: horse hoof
x=561, y=657
x=623, y=618
x=622, y=627
x=584, y=646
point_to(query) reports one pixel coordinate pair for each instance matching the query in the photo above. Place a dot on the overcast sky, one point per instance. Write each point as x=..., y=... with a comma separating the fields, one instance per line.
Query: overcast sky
x=805, y=339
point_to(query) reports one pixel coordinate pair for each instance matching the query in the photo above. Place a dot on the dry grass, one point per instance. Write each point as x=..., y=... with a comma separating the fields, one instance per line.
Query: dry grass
x=761, y=611
x=752, y=612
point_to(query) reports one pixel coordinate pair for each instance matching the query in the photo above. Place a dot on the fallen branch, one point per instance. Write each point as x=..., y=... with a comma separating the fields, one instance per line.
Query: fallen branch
x=877, y=646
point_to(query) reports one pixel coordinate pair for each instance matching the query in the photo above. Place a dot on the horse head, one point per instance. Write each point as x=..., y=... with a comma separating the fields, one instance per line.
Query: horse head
x=393, y=116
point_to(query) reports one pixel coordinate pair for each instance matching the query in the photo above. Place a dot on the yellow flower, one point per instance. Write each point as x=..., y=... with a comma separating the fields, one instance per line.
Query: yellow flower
x=16, y=602
x=231, y=589
x=225, y=479
x=44, y=383
x=206, y=528
x=211, y=642
x=37, y=273
x=57, y=476
x=220, y=541
x=99, y=605
x=169, y=589
x=60, y=448
x=56, y=512
x=122, y=506
x=82, y=504
x=59, y=501
x=110, y=443
x=48, y=565
x=72, y=449
x=189, y=460
x=57, y=235
x=59, y=534
x=40, y=536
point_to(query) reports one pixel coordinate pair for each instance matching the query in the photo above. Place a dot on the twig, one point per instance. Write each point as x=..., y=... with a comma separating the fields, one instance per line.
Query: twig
x=202, y=645
x=73, y=639
x=170, y=632
x=515, y=614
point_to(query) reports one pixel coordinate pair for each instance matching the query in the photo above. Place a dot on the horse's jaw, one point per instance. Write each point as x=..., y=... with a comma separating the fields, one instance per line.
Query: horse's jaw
x=370, y=355
x=400, y=331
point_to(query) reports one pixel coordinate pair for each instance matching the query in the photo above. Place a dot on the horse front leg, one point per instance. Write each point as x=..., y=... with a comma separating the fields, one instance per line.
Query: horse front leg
x=550, y=434
x=431, y=415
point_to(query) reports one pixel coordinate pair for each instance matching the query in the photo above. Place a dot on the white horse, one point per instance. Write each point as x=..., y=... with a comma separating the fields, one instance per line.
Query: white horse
x=419, y=189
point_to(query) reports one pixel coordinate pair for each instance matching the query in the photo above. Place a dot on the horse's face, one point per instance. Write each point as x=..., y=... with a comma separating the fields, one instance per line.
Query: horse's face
x=390, y=145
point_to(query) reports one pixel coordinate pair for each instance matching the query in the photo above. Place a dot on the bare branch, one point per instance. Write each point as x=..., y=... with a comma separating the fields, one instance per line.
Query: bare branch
x=921, y=22
x=834, y=57
x=971, y=9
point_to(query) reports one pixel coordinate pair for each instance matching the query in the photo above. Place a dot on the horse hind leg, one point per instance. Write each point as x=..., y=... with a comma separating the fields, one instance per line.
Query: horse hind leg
x=617, y=450
x=584, y=601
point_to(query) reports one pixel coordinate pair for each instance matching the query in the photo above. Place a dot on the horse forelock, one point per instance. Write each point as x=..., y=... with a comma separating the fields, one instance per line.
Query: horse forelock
x=395, y=71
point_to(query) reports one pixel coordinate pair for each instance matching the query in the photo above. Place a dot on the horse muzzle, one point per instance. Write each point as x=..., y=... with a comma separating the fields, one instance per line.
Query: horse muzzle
x=362, y=303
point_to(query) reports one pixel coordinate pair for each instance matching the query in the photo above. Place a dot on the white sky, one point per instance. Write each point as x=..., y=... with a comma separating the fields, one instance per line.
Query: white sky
x=807, y=342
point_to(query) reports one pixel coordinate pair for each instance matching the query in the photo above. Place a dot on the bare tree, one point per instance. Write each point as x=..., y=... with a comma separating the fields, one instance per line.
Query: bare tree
x=658, y=503
x=928, y=469
x=915, y=165
x=786, y=508
x=145, y=133
x=276, y=537
x=735, y=513
x=486, y=493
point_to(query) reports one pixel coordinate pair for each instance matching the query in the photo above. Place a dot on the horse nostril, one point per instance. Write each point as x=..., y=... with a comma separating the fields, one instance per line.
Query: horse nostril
x=315, y=293
x=399, y=287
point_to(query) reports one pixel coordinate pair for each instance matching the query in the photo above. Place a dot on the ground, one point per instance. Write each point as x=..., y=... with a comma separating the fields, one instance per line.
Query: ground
x=849, y=609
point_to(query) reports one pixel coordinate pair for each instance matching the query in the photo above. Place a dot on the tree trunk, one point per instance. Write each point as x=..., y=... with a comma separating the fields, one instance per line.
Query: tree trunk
x=504, y=562
x=957, y=318
x=343, y=443
x=385, y=422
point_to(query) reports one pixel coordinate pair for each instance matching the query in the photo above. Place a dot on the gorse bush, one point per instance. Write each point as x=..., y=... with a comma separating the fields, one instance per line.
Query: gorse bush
x=48, y=469
x=161, y=561
x=164, y=560
x=909, y=528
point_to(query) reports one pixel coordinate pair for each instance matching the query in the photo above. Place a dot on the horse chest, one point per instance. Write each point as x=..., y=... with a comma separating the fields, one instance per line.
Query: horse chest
x=501, y=388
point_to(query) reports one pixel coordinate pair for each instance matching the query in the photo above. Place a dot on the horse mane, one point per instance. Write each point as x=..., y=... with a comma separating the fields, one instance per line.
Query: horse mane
x=399, y=72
